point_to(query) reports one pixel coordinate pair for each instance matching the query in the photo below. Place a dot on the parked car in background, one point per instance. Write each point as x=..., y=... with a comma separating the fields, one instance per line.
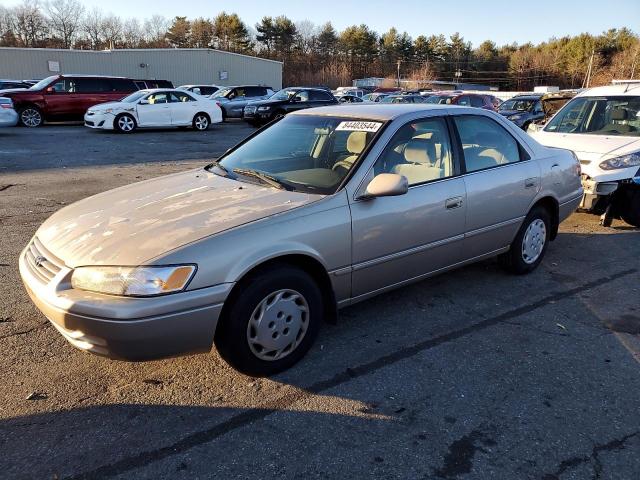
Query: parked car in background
x=322, y=209
x=285, y=101
x=522, y=110
x=345, y=98
x=484, y=101
x=8, y=116
x=349, y=91
x=374, y=97
x=232, y=100
x=205, y=90
x=602, y=127
x=409, y=98
x=154, y=108
x=14, y=84
x=147, y=84
x=551, y=103
x=66, y=97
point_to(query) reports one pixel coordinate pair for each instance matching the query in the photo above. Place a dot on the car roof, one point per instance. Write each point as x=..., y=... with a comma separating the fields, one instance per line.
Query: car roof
x=526, y=97
x=631, y=90
x=76, y=75
x=376, y=111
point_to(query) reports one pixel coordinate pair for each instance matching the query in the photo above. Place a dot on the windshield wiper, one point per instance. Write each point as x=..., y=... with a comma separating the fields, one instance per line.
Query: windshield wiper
x=218, y=165
x=264, y=178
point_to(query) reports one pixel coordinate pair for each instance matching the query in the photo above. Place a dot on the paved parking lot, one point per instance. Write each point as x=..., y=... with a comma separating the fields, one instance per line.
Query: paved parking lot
x=473, y=375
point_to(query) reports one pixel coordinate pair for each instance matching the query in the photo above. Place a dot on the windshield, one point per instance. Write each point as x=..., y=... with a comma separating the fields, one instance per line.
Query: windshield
x=389, y=99
x=135, y=96
x=520, y=105
x=304, y=153
x=43, y=83
x=599, y=116
x=221, y=93
x=284, y=94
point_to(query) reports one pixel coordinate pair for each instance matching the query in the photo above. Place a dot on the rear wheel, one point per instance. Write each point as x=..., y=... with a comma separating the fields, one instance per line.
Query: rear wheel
x=124, y=123
x=201, y=122
x=271, y=323
x=31, y=117
x=530, y=244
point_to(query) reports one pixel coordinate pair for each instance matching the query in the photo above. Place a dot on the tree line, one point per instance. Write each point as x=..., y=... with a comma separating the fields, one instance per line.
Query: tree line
x=321, y=55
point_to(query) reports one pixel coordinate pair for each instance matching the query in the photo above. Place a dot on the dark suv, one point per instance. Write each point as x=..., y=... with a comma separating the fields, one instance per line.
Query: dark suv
x=478, y=100
x=285, y=101
x=523, y=110
x=232, y=100
x=66, y=97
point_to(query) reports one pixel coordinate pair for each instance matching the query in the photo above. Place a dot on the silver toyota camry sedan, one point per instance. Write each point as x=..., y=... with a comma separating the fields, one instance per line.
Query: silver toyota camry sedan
x=321, y=209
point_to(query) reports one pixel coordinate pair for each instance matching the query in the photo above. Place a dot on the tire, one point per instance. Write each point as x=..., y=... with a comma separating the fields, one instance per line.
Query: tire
x=30, y=116
x=201, y=122
x=252, y=347
x=124, y=123
x=528, y=248
x=630, y=212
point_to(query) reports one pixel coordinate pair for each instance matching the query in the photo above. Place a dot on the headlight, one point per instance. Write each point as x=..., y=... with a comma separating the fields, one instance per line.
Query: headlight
x=133, y=281
x=264, y=109
x=624, y=161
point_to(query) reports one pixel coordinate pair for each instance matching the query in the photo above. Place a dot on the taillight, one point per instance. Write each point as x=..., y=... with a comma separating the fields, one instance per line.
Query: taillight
x=6, y=105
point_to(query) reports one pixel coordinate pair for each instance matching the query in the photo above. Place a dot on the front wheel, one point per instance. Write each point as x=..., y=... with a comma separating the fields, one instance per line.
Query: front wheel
x=201, y=122
x=271, y=323
x=31, y=117
x=530, y=244
x=124, y=123
x=630, y=211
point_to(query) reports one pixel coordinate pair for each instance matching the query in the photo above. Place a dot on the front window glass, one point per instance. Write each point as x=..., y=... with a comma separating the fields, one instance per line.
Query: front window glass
x=223, y=92
x=420, y=151
x=519, y=105
x=302, y=153
x=156, y=98
x=284, y=94
x=599, y=116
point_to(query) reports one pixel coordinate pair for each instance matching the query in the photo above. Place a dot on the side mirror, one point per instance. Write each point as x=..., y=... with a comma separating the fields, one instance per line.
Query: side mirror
x=387, y=185
x=50, y=90
x=144, y=101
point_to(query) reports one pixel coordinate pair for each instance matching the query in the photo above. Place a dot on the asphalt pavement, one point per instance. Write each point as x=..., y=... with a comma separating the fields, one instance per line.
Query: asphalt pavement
x=476, y=374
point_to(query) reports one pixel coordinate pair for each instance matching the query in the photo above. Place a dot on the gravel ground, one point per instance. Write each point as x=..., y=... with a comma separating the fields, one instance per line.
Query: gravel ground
x=472, y=375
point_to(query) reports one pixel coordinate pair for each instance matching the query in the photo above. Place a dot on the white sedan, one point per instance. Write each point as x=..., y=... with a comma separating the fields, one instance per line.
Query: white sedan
x=159, y=107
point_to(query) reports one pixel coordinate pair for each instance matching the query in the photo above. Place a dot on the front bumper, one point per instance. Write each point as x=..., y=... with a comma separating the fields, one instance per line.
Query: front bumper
x=126, y=328
x=99, y=120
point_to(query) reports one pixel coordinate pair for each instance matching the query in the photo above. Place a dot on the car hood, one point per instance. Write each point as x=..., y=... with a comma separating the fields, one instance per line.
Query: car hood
x=133, y=224
x=508, y=113
x=12, y=90
x=592, y=146
x=103, y=106
x=266, y=102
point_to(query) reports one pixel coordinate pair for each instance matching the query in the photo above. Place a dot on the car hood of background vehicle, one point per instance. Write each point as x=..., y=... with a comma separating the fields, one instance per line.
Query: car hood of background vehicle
x=13, y=90
x=593, y=146
x=136, y=223
x=508, y=113
x=267, y=103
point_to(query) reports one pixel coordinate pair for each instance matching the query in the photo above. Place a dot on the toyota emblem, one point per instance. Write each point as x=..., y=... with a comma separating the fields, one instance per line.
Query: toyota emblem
x=40, y=260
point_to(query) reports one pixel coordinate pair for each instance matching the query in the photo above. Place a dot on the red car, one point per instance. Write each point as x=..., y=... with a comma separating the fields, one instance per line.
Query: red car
x=485, y=101
x=66, y=97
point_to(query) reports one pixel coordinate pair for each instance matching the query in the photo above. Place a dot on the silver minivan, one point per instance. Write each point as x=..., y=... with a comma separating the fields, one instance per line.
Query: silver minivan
x=322, y=209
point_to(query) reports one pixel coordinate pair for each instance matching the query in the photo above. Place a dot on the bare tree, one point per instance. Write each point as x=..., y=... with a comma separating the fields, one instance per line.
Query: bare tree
x=92, y=27
x=65, y=19
x=155, y=31
x=131, y=33
x=112, y=30
x=29, y=24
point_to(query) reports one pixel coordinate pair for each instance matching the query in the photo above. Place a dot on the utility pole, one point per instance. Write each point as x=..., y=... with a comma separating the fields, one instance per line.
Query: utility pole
x=399, y=62
x=587, y=79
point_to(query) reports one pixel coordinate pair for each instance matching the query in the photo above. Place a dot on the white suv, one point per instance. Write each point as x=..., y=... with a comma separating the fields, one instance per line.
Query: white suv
x=602, y=127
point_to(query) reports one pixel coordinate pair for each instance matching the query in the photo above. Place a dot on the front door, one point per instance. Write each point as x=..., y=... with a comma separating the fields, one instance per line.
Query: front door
x=183, y=108
x=501, y=182
x=154, y=110
x=396, y=239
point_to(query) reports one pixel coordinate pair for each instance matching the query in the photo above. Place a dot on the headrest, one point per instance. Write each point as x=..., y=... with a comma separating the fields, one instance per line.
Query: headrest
x=416, y=151
x=619, y=114
x=356, y=142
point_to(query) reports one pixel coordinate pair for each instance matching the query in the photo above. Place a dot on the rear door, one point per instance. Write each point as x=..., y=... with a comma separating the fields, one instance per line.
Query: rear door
x=396, y=239
x=501, y=181
x=183, y=108
x=156, y=112
x=90, y=91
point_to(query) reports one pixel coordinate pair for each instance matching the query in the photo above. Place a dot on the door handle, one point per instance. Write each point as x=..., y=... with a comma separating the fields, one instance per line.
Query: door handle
x=453, y=202
x=530, y=182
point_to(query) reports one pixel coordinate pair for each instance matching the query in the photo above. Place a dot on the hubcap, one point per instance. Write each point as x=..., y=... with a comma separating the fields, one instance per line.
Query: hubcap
x=533, y=241
x=202, y=123
x=278, y=324
x=125, y=124
x=31, y=117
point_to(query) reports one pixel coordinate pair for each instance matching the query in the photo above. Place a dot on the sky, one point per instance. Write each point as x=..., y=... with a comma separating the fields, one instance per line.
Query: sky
x=502, y=21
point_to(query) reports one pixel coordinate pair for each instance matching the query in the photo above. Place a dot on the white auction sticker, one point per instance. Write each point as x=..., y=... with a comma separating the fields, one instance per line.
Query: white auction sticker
x=355, y=126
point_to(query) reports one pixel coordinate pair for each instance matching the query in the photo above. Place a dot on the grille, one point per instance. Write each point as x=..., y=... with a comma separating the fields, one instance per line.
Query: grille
x=42, y=263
